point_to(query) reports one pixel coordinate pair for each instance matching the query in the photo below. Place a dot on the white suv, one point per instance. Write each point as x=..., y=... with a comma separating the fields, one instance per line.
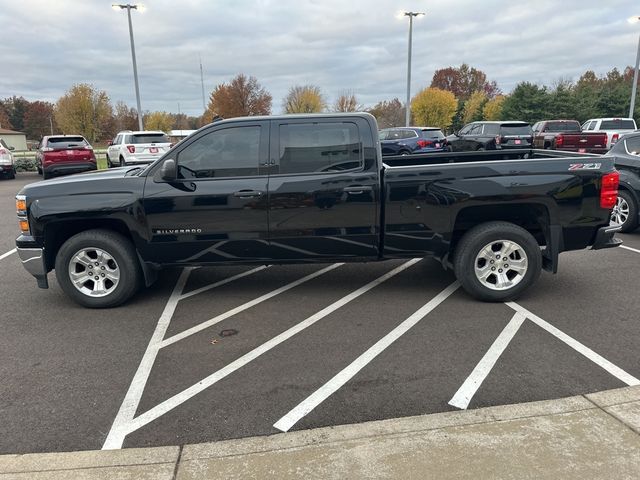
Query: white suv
x=137, y=147
x=7, y=166
x=613, y=127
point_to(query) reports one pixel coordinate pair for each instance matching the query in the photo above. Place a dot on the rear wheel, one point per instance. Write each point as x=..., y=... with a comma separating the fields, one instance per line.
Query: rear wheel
x=46, y=175
x=12, y=174
x=405, y=152
x=625, y=212
x=98, y=269
x=497, y=261
x=108, y=161
x=122, y=162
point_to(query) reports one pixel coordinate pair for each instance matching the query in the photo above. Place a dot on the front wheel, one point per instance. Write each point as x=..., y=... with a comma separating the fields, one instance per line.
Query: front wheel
x=497, y=261
x=98, y=268
x=625, y=212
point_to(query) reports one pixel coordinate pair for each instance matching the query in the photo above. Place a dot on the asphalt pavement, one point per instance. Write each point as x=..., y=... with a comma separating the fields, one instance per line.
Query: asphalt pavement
x=229, y=352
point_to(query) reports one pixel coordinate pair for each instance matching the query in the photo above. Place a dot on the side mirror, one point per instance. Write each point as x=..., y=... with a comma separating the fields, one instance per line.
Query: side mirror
x=110, y=143
x=457, y=133
x=12, y=148
x=168, y=170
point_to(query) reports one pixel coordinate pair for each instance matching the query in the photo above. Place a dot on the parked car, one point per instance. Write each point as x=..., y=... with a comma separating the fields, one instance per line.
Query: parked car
x=408, y=140
x=491, y=136
x=313, y=188
x=567, y=135
x=63, y=154
x=129, y=147
x=627, y=159
x=7, y=164
x=613, y=127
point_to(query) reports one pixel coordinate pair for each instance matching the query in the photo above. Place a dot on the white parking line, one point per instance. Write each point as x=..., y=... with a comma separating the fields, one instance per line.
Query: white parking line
x=629, y=248
x=329, y=388
x=180, y=398
x=5, y=255
x=577, y=346
x=470, y=386
x=245, y=306
x=222, y=282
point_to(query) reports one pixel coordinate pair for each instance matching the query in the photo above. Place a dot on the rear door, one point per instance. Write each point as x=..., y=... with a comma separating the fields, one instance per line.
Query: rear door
x=516, y=135
x=323, y=189
x=69, y=149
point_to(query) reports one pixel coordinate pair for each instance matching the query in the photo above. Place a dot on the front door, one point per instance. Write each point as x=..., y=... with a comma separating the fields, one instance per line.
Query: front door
x=216, y=210
x=323, y=189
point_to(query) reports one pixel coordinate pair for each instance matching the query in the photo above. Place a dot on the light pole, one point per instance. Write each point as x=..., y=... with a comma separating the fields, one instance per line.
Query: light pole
x=411, y=15
x=140, y=8
x=634, y=88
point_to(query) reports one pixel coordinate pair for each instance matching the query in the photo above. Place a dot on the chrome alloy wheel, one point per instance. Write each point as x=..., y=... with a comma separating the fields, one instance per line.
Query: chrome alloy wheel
x=620, y=212
x=501, y=265
x=94, y=272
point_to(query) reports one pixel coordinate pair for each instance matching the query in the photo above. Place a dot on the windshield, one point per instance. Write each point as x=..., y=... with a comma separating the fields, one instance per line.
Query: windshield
x=66, y=142
x=516, y=130
x=148, y=138
x=617, y=124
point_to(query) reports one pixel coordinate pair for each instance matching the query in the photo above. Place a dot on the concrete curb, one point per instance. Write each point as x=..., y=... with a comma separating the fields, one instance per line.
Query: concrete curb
x=581, y=436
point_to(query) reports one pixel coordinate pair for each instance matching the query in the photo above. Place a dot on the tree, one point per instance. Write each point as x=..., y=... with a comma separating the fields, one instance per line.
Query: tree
x=463, y=81
x=562, y=102
x=125, y=117
x=434, y=107
x=16, y=107
x=241, y=97
x=492, y=110
x=4, y=118
x=389, y=113
x=38, y=120
x=527, y=102
x=158, y=121
x=304, y=99
x=86, y=111
x=180, y=122
x=347, y=102
x=472, y=110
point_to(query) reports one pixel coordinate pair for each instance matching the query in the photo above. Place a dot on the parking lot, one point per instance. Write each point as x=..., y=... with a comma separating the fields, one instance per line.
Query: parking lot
x=217, y=353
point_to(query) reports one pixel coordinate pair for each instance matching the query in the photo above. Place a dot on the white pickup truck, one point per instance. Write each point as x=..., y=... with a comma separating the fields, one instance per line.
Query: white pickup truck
x=613, y=127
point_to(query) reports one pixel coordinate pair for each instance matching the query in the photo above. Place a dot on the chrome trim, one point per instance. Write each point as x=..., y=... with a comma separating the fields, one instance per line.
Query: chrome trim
x=28, y=255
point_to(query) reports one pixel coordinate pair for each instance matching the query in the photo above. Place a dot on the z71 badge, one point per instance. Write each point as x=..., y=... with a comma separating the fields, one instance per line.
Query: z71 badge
x=585, y=166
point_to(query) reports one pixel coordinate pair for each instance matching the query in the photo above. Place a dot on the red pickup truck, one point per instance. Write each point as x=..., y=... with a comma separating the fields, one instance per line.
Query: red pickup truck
x=567, y=135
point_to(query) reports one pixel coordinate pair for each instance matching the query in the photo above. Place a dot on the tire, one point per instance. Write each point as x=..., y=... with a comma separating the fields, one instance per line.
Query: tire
x=39, y=171
x=404, y=153
x=12, y=174
x=122, y=162
x=625, y=212
x=480, y=149
x=493, y=238
x=108, y=161
x=45, y=175
x=108, y=251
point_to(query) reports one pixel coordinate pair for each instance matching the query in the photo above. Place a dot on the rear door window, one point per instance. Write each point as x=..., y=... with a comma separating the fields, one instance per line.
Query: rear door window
x=409, y=134
x=633, y=145
x=319, y=147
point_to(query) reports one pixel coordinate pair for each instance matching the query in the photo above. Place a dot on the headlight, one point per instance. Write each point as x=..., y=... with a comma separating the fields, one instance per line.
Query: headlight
x=21, y=210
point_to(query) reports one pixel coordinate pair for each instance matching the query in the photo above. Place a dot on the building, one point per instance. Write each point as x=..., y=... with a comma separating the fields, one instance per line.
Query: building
x=17, y=140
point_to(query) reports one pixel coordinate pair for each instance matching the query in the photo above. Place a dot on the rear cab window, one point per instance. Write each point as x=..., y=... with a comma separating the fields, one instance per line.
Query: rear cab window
x=618, y=124
x=562, y=127
x=63, y=143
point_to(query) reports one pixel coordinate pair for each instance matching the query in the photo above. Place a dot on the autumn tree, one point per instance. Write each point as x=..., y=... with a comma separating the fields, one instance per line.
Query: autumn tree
x=304, y=99
x=241, y=97
x=472, y=110
x=180, y=122
x=434, y=107
x=84, y=110
x=388, y=113
x=38, y=120
x=158, y=121
x=4, y=119
x=347, y=102
x=463, y=81
x=16, y=108
x=124, y=117
x=492, y=110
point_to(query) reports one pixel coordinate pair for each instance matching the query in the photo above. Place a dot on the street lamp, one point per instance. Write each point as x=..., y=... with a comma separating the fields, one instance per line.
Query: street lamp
x=411, y=15
x=141, y=8
x=634, y=88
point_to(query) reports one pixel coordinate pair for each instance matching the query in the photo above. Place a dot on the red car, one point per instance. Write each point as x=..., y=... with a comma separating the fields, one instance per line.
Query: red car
x=61, y=154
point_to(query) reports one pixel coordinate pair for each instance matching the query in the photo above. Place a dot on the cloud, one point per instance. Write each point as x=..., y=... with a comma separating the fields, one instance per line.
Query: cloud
x=357, y=45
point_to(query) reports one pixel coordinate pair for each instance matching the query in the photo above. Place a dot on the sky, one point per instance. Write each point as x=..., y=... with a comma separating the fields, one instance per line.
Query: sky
x=358, y=46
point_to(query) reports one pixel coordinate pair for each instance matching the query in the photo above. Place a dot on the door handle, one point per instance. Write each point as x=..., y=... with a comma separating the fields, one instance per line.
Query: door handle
x=247, y=193
x=357, y=189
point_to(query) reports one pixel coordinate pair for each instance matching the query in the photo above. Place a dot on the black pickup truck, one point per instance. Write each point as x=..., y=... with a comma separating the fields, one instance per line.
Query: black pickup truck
x=314, y=188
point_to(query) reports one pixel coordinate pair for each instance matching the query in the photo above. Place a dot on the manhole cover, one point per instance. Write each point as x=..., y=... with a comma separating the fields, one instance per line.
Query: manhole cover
x=229, y=332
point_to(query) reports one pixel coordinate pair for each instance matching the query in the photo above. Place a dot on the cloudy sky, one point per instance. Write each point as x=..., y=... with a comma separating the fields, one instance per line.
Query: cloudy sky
x=358, y=45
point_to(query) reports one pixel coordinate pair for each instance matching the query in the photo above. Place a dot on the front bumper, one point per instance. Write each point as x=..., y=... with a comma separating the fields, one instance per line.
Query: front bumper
x=604, y=237
x=34, y=263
